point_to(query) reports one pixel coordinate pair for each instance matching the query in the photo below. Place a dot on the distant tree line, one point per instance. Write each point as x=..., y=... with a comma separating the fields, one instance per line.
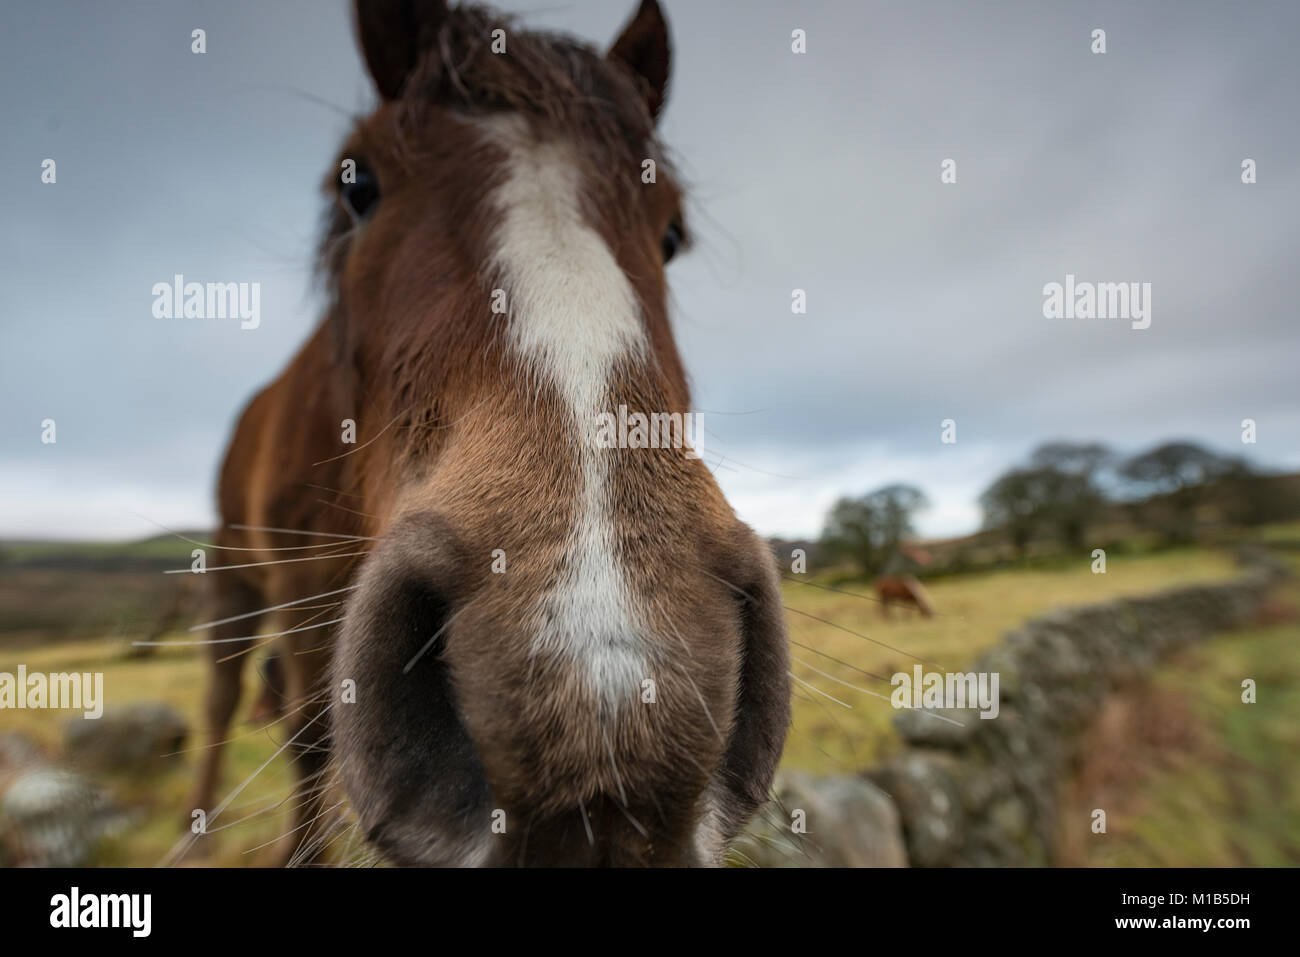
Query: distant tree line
x=1066, y=489
x=1064, y=492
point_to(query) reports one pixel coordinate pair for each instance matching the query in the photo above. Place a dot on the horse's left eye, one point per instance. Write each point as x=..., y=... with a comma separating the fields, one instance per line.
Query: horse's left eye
x=360, y=196
x=672, y=240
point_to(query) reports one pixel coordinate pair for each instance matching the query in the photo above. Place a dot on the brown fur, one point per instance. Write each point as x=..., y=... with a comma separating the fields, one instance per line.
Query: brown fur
x=460, y=452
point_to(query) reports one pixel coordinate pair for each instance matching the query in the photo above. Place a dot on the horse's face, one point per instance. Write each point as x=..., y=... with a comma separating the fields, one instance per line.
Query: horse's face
x=561, y=652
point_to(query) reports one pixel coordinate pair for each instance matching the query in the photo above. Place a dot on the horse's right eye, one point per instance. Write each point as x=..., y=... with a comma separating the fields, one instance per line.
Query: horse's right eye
x=360, y=196
x=672, y=240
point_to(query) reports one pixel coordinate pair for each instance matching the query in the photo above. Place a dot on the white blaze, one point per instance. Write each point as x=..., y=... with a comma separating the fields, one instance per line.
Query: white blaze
x=572, y=316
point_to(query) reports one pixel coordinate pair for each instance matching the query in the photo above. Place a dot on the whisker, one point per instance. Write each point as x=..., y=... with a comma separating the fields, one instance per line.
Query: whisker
x=685, y=647
x=318, y=844
x=618, y=779
x=428, y=644
x=225, y=641
x=839, y=661
x=801, y=840
x=247, y=734
x=278, y=802
x=628, y=814
x=312, y=651
x=353, y=831
x=375, y=438
x=262, y=611
x=190, y=839
x=271, y=638
x=713, y=724
x=770, y=841
x=855, y=634
x=819, y=691
x=332, y=491
x=855, y=594
x=301, y=94
x=278, y=561
x=744, y=858
x=344, y=508
x=338, y=829
x=586, y=824
x=753, y=468
x=307, y=823
x=295, y=531
x=832, y=624
x=464, y=415
x=838, y=681
x=227, y=548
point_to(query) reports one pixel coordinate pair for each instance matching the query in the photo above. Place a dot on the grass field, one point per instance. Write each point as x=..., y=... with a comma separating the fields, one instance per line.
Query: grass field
x=55, y=591
x=974, y=612
x=1188, y=773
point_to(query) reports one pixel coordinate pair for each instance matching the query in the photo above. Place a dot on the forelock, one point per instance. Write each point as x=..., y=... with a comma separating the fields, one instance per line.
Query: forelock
x=547, y=78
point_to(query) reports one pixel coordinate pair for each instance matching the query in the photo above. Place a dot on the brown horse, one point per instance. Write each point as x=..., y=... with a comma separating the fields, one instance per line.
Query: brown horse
x=902, y=590
x=516, y=644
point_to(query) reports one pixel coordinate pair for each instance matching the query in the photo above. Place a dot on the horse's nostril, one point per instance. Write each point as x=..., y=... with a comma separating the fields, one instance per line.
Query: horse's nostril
x=422, y=616
x=405, y=756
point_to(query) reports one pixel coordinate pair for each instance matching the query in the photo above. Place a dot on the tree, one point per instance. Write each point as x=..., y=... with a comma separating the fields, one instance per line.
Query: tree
x=1075, y=458
x=867, y=529
x=1178, y=473
x=1257, y=498
x=1073, y=495
x=1058, y=494
x=1013, y=503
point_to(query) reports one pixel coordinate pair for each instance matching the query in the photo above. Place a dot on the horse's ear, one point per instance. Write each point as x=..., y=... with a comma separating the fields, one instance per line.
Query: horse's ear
x=393, y=34
x=643, y=48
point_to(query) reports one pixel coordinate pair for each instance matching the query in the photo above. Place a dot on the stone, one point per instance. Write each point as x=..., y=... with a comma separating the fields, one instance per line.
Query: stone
x=850, y=823
x=129, y=737
x=18, y=750
x=926, y=788
x=51, y=817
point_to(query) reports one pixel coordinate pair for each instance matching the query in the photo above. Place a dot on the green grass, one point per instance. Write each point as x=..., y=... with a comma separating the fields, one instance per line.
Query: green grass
x=1232, y=798
x=974, y=612
x=161, y=548
x=1288, y=532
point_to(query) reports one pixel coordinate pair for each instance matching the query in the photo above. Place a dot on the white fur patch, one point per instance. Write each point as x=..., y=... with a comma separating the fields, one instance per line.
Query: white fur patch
x=572, y=316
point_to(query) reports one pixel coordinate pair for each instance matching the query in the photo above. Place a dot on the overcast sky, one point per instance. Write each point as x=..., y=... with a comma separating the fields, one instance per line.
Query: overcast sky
x=818, y=171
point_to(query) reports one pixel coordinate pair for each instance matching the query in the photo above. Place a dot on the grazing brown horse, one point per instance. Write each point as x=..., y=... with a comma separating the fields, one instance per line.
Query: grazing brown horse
x=517, y=645
x=902, y=590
